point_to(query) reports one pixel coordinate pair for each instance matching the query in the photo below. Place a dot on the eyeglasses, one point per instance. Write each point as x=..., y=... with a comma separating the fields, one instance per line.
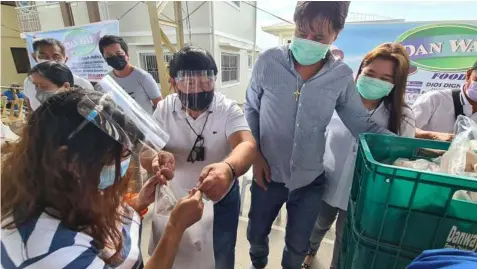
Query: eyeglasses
x=197, y=153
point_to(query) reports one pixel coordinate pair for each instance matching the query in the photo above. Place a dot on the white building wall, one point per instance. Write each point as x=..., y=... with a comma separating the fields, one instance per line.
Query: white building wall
x=234, y=29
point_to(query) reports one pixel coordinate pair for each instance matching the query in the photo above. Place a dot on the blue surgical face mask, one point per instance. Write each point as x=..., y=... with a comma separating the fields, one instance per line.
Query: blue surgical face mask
x=308, y=52
x=109, y=172
x=373, y=88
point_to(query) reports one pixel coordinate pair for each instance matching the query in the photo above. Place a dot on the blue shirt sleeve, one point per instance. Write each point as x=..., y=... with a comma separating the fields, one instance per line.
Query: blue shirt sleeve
x=445, y=258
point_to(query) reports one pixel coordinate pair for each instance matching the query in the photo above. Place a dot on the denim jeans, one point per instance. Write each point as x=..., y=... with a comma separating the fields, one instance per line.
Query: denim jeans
x=302, y=208
x=325, y=219
x=226, y=217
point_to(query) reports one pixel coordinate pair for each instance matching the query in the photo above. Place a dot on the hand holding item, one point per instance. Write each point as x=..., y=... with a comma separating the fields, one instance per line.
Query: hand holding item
x=442, y=136
x=146, y=195
x=215, y=180
x=261, y=172
x=164, y=165
x=187, y=211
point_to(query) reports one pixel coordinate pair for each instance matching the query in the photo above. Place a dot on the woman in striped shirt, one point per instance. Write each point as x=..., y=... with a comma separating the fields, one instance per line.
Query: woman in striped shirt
x=62, y=194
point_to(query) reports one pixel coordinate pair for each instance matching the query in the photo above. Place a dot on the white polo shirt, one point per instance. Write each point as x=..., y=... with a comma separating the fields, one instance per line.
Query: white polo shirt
x=434, y=111
x=225, y=117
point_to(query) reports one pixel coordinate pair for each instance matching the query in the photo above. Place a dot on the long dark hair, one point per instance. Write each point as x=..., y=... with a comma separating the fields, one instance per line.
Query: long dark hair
x=394, y=102
x=48, y=170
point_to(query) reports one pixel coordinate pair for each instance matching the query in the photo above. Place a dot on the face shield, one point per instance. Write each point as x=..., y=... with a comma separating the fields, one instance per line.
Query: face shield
x=120, y=117
x=195, y=88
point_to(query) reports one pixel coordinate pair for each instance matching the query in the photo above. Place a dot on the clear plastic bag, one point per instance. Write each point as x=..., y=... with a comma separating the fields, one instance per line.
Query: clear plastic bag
x=165, y=200
x=461, y=157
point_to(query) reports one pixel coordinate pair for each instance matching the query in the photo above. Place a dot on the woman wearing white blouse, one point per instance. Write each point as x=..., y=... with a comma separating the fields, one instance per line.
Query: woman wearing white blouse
x=381, y=82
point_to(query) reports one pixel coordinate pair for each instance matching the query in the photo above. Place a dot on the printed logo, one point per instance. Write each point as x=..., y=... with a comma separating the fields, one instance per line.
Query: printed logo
x=461, y=240
x=81, y=42
x=441, y=47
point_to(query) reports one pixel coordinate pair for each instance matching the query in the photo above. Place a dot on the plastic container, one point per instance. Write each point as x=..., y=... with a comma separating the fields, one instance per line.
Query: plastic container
x=360, y=252
x=406, y=208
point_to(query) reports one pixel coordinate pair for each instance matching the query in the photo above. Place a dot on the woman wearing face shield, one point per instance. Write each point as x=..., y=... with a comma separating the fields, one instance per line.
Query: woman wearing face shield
x=381, y=83
x=62, y=191
x=50, y=78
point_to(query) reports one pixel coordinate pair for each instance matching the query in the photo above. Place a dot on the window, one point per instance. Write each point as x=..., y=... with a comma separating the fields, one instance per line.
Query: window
x=230, y=67
x=250, y=63
x=148, y=62
x=20, y=58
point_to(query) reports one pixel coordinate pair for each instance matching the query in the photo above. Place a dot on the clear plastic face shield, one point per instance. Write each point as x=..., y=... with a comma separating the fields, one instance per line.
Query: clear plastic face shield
x=116, y=114
x=195, y=88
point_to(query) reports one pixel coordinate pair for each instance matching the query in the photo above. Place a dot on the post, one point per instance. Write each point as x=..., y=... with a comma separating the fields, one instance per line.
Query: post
x=180, y=27
x=254, y=53
x=157, y=39
x=93, y=11
x=67, y=14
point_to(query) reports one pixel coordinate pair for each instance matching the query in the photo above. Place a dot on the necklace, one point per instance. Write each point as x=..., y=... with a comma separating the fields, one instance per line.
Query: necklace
x=297, y=92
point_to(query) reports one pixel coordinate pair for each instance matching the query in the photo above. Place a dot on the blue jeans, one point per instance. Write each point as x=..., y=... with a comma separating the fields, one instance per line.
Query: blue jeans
x=226, y=217
x=302, y=208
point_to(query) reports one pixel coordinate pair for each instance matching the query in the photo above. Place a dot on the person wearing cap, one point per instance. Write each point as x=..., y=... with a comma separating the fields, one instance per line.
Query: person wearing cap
x=437, y=111
x=49, y=49
x=210, y=141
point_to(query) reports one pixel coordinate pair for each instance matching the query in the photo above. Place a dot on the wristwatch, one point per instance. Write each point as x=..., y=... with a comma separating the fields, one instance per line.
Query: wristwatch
x=234, y=175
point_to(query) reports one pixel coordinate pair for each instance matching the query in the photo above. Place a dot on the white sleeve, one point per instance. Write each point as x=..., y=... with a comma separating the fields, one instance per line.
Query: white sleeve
x=83, y=83
x=423, y=109
x=235, y=120
x=30, y=92
x=159, y=112
x=408, y=123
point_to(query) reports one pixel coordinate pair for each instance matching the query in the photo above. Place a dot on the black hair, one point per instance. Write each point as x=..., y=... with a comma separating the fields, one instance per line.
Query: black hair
x=192, y=58
x=112, y=39
x=333, y=11
x=48, y=42
x=55, y=72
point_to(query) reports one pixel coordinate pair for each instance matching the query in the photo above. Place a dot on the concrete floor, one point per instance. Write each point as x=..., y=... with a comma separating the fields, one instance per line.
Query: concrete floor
x=242, y=259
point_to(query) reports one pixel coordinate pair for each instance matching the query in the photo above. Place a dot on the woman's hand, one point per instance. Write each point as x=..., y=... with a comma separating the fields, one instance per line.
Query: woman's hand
x=187, y=211
x=146, y=195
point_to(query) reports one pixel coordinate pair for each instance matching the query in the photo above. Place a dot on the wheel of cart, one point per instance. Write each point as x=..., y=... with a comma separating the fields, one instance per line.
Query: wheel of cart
x=395, y=213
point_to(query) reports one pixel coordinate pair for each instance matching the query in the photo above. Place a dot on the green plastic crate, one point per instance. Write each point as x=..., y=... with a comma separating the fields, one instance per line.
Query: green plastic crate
x=359, y=252
x=409, y=208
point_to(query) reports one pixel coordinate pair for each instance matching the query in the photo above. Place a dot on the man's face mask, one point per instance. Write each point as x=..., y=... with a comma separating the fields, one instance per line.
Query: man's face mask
x=195, y=89
x=118, y=62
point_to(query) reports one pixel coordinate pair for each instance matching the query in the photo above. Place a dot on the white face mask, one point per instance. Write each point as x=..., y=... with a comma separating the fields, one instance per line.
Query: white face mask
x=46, y=60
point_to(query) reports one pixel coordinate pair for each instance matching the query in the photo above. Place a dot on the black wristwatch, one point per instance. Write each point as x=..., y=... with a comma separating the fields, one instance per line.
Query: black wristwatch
x=234, y=175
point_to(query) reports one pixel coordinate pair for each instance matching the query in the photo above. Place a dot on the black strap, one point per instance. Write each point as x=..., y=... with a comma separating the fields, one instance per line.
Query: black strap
x=458, y=107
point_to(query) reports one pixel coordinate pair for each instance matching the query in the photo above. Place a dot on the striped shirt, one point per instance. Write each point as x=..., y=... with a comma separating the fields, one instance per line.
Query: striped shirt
x=44, y=243
x=290, y=132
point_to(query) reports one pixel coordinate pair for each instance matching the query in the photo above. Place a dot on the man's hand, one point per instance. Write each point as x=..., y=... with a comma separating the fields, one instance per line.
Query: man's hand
x=163, y=166
x=442, y=136
x=215, y=180
x=187, y=211
x=261, y=171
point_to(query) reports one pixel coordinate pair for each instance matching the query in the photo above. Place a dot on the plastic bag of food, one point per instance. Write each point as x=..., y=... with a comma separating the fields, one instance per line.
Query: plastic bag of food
x=196, y=245
x=419, y=164
x=461, y=157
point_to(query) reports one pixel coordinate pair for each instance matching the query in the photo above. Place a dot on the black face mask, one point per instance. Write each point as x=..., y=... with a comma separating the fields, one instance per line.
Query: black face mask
x=196, y=101
x=117, y=62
